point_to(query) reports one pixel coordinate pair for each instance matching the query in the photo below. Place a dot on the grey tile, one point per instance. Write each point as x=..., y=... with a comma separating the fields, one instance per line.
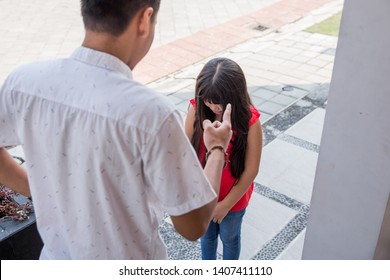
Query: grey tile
x=264, y=117
x=310, y=127
x=279, y=197
x=175, y=100
x=311, y=69
x=286, y=56
x=271, y=107
x=294, y=249
x=288, y=169
x=257, y=101
x=300, y=59
x=263, y=93
x=253, y=80
x=183, y=106
x=295, y=91
x=283, y=99
x=299, y=142
x=318, y=62
x=171, y=85
x=291, y=65
x=330, y=51
x=185, y=94
x=287, y=79
x=308, y=87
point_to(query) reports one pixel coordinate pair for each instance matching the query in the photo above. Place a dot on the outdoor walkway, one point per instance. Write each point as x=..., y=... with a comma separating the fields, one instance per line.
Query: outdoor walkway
x=288, y=72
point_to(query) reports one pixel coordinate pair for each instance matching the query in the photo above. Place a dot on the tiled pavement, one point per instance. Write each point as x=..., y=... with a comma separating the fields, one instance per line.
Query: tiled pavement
x=186, y=51
x=288, y=73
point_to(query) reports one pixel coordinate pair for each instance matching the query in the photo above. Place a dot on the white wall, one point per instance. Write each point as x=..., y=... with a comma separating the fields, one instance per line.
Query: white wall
x=352, y=181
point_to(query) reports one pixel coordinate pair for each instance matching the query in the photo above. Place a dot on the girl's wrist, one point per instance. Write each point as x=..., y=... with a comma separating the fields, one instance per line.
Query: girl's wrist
x=225, y=205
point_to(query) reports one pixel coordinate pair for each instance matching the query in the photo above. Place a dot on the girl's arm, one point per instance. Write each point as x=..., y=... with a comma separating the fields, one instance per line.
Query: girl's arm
x=252, y=164
x=189, y=122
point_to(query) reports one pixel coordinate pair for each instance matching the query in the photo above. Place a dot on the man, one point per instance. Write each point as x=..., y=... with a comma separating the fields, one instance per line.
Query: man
x=105, y=155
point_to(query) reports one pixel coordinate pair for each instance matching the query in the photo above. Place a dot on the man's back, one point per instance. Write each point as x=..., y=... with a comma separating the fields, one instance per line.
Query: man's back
x=99, y=147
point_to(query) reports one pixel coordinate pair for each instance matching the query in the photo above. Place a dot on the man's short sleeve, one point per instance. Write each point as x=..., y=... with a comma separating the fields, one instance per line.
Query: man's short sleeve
x=8, y=135
x=174, y=171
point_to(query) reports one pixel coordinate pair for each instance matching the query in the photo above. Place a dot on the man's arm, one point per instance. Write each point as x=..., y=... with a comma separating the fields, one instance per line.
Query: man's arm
x=12, y=174
x=194, y=224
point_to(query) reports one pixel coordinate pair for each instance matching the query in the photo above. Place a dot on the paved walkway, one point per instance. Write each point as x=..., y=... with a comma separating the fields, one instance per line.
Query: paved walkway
x=186, y=51
x=288, y=73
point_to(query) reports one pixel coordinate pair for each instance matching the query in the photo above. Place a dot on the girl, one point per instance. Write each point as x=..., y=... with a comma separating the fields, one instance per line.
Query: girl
x=221, y=82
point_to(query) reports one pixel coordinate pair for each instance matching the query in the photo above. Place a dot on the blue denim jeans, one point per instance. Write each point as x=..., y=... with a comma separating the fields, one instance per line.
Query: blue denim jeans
x=230, y=233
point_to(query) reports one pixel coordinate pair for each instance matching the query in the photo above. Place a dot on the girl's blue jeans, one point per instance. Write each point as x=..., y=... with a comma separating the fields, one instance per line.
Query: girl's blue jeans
x=230, y=233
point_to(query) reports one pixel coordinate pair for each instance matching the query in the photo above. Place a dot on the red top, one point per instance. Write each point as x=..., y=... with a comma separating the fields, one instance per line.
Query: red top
x=227, y=181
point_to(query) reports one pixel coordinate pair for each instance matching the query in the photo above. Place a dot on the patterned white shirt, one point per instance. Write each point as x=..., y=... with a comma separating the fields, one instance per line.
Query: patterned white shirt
x=105, y=157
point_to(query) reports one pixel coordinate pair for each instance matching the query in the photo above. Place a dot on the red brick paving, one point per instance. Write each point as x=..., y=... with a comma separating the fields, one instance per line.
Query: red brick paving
x=178, y=54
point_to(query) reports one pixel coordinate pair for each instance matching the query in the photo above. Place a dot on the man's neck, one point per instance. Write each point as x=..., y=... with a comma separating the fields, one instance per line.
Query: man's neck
x=106, y=43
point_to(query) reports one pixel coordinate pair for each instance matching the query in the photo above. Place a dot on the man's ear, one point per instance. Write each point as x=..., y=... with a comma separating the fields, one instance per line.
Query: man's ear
x=145, y=21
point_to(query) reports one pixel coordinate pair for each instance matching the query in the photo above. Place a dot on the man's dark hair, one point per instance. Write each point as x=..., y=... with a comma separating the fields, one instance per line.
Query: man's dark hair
x=113, y=16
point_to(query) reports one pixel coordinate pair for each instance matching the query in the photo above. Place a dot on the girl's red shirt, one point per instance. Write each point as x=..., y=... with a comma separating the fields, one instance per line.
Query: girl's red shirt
x=227, y=181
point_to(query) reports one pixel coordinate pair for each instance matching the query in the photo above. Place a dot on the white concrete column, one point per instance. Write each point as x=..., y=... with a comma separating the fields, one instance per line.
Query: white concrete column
x=352, y=182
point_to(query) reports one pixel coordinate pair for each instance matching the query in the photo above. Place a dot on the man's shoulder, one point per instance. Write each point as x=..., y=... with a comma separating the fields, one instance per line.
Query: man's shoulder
x=143, y=106
x=153, y=98
x=33, y=65
x=32, y=69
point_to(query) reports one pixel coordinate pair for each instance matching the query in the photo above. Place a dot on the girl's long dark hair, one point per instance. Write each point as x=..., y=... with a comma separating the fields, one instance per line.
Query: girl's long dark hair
x=222, y=81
